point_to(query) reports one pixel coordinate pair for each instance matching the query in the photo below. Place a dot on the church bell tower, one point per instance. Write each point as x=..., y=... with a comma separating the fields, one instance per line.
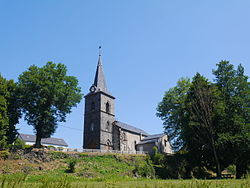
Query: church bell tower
x=99, y=114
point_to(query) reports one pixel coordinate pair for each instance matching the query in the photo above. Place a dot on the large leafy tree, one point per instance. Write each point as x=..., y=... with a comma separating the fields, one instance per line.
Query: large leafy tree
x=47, y=95
x=211, y=121
x=13, y=110
x=203, y=109
x=235, y=132
x=172, y=111
x=10, y=111
x=3, y=113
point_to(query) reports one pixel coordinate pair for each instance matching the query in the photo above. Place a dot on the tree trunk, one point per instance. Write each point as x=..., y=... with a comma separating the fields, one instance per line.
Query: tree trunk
x=218, y=169
x=38, y=141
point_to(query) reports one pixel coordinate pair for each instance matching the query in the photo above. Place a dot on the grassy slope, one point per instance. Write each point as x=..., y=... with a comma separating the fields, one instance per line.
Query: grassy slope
x=88, y=167
x=92, y=171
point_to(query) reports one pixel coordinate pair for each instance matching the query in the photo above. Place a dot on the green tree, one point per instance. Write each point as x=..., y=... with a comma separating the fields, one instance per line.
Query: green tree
x=172, y=111
x=211, y=121
x=13, y=111
x=47, y=95
x=235, y=132
x=3, y=113
x=203, y=111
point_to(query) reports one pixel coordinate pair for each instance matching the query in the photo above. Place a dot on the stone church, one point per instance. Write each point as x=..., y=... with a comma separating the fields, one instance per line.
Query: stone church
x=103, y=131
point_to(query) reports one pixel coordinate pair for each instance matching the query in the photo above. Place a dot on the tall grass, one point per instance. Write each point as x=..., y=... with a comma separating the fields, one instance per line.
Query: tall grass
x=21, y=181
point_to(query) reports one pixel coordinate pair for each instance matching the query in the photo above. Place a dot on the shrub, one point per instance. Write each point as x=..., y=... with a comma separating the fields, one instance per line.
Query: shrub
x=71, y=166
x=145, y=170
x=156, y=156
x=18, y=144
x=4, y=154
x=231, y=169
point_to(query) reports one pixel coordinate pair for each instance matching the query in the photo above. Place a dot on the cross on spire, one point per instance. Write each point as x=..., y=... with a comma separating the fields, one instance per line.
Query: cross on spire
x=100, y=50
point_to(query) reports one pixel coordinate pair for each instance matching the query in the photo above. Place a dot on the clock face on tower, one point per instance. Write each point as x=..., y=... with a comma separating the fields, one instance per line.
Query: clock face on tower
x=92, y=88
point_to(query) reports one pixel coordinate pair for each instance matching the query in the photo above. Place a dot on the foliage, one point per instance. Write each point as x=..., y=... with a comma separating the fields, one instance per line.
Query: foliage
x=231, y=169
x=234, y=138
x=211, y=121
x=171, y=110
x=9, y=112
x=4, y=154
x=204, y=109
x=18, y=144
x=14, y=110
x=71, y=166
x=3, y=113
x=156, y=156
x=145, y=169
x=47, y=95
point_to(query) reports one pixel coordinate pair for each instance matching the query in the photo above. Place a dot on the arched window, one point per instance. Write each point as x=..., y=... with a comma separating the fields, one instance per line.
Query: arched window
x=93, y=106
x=107, y=107
x=92, y=127
x=108, y=145
x=108, y=126
x=124, y=136
x=165, y=143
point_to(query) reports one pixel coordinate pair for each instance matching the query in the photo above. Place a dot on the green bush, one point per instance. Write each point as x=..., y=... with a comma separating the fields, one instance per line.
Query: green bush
x=156, y=156
x=145, y=170
x=231, y=169
x=71, y=166
x=4, y=154
x=18, y=144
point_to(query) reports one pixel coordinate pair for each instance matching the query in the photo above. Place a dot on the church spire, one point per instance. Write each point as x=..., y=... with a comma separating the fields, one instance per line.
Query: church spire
x=100, y=82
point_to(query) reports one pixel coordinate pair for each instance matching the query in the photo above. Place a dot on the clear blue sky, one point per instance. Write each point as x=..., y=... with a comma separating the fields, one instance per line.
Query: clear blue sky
x=147, y=46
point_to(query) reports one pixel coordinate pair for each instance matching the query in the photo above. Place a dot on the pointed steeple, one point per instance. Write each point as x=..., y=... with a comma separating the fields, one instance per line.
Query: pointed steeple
x=100, y=82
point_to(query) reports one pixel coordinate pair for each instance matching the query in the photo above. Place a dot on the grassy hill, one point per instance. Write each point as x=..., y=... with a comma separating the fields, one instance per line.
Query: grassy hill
x=49, y=169
x=38, y=164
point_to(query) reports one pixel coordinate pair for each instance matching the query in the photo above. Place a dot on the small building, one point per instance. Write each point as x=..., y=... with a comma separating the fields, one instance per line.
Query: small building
x=160, y=141
x=55, y=142
x=125, y=137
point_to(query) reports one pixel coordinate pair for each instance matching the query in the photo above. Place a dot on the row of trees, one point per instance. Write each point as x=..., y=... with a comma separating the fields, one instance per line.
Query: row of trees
x=43, y=95
x=208, y=123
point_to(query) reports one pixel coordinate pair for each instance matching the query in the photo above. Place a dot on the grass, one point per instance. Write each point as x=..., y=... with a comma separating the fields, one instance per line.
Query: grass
x=23, y=181
x=93, y=171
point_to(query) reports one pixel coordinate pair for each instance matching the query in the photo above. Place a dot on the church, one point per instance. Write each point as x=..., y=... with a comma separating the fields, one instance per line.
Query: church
x=101, y=129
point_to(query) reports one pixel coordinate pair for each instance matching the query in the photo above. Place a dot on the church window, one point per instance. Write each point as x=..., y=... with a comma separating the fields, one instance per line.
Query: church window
x=165, y=143
x=108, y=142
x=124, y=136
x=92, y=127
x=107, y=107
x=108, y=126
x=108, y=145
x=92, y=106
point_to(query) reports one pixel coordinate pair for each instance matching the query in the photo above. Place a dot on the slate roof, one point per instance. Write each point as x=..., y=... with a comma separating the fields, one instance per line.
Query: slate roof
x=100, y=82
x=147, y=141
x=154, y=136
x=130, y=128
x=52, y=141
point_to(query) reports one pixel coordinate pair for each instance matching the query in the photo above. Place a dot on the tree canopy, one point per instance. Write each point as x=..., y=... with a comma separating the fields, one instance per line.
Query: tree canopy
x=10, y=111
x=210, y=120
x=47, y=95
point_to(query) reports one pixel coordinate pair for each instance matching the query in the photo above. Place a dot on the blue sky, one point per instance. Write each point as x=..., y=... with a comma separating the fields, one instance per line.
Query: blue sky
x=147, y=46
